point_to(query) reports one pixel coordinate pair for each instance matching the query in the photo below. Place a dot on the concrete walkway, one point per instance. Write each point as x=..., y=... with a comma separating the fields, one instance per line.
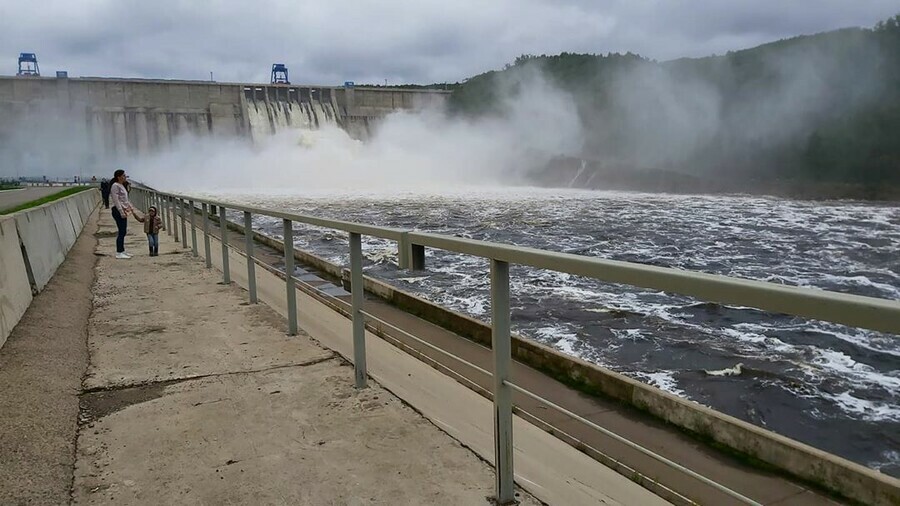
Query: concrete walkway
x=41, y=366
x=193, y=396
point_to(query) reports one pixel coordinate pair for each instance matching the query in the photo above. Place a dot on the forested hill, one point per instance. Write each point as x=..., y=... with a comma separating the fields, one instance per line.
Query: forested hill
x=822, y=108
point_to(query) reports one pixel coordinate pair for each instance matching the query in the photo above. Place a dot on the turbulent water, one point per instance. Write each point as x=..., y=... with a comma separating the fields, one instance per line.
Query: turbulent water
x=830, y=386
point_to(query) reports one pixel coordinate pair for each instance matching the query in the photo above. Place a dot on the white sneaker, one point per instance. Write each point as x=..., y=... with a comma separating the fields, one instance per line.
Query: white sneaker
x=123, y=256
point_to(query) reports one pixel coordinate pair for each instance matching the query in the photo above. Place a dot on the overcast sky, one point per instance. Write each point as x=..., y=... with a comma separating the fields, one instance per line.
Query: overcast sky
x=368, y=41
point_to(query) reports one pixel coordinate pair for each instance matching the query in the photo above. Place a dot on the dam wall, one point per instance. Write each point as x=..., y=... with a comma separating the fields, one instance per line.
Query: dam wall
x=33, y=244
x=89, y=121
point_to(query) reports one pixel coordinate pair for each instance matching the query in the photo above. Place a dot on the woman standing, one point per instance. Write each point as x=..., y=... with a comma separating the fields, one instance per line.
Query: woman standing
x=121, y=207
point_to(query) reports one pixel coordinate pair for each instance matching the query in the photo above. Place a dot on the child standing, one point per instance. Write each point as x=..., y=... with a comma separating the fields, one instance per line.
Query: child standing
x=152, y=225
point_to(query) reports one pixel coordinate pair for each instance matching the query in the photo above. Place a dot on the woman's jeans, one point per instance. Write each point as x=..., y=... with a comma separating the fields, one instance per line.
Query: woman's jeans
x=122, y=223
x=153, y=239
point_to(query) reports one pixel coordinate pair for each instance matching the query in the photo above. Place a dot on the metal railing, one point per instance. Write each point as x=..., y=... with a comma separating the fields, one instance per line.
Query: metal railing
x=853, y=310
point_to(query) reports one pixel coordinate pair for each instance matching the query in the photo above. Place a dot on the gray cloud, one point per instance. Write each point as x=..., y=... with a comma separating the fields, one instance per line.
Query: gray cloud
x=366, y=41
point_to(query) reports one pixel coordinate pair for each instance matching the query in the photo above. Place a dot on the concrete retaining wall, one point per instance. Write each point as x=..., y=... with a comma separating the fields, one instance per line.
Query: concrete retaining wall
x=809, y=464
x=64, y=228
x=33, y=244
x=74, y=214
x=86, y=207
x=15, y=289
x=38, y=233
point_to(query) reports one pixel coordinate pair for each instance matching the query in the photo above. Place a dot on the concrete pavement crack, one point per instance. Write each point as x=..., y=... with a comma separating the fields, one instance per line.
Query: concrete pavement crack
x=112, y=388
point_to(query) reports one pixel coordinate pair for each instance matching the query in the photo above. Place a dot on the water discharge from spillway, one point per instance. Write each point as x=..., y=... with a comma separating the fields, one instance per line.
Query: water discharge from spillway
x=304, y=146
x=269, y=118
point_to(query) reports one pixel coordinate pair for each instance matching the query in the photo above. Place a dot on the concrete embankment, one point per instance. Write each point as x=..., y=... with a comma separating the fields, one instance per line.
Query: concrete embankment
x=33, y=244
x=748, y=442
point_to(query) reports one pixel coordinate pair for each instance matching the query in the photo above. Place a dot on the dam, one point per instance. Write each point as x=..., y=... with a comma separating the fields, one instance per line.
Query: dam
x=88, y=122
x=187, y=358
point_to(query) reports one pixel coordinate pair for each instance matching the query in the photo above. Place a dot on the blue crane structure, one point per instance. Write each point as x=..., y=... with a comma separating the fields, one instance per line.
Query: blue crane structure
x=28, y=65
x=279, y=74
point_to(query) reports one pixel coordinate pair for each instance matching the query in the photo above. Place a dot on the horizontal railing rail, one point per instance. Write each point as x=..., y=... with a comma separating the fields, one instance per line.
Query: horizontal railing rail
x=853, y=310
x=858, y=311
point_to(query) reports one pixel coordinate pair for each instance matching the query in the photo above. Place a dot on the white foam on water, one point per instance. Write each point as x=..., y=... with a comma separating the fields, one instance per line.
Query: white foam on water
x=664, y=380
x=865, y=409
x=889, y=458
x=890, y=291
x=413, y=280
x=872, y=341
x=561, y=337
x=728, y=371
x=858, y=373
x=629, y=334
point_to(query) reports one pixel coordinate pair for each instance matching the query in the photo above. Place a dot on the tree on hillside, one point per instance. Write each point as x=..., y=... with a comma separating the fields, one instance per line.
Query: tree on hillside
x=823, y=107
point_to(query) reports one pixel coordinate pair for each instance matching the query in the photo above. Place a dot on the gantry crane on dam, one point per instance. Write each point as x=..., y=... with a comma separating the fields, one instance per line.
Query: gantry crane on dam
x=28, y=65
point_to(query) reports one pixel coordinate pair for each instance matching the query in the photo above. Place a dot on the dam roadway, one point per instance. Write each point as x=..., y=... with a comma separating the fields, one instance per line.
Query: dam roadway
x=14, y=198
x=181, y=371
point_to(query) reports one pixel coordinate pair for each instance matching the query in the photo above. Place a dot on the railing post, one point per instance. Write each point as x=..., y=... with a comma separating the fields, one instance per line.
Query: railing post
x=248, y=248
x=168, y=215
x=223, y=227
x=193, y=228
x=403, y=251
x=502, y=351
x=183, y=226
x=289, y=277
x=410, y=256
x=206, y=235
x=417, y=257
x=172, y=208
x=356, y=298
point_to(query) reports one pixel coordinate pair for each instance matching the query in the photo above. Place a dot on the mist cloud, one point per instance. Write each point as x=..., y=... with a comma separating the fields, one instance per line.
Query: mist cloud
x=408, y=151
